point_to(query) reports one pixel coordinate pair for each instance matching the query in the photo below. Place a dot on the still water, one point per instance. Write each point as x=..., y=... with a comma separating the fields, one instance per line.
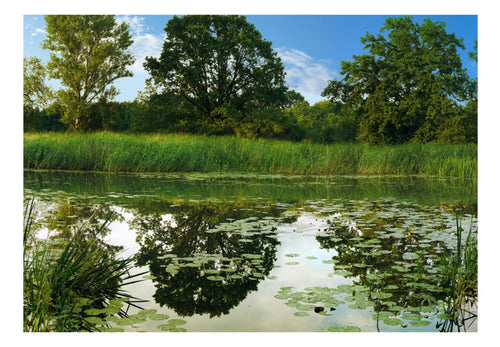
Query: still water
x=269, y=253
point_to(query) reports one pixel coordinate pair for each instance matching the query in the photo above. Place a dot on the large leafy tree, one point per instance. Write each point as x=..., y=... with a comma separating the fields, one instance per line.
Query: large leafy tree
x=218, y=63
x=406, y=86
x=89, y=53
x=36, y=93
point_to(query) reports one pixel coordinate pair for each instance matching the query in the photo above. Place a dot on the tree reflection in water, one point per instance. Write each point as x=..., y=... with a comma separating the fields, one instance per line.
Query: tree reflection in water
x=205, y=257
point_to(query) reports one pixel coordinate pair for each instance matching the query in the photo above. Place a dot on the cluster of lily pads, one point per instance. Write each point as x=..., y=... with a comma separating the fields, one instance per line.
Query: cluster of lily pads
x=392, y=255
x=111, y=318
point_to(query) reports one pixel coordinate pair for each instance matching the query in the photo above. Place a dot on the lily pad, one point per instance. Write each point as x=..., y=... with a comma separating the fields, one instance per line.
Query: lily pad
x=95, y=320
x=166, y=327
x=420, y=323
x=301, y=314
x=93, y=311
x=178, y=330
x=215, y=278
x=292, y=255
x=411, y=316
x=348, y=329
x=281, y=296
x=158, y=316
x=393, y=321
x=292, y=263
x=410, y=256
x=112, y=330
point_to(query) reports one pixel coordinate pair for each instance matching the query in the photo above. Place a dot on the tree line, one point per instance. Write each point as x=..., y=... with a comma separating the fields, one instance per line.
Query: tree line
x=217, y=75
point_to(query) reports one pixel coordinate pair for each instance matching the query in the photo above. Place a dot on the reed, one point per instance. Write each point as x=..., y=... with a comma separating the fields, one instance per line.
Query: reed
x=187, y=153
x=460, y=280
x=64, y=277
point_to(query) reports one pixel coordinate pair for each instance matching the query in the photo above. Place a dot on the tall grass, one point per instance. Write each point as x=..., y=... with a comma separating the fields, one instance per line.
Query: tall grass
x=186, y=153
x=60, y=282
x=460, y=280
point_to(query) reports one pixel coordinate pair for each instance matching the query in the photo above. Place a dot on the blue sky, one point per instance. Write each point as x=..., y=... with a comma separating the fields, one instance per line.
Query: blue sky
x=310, y=46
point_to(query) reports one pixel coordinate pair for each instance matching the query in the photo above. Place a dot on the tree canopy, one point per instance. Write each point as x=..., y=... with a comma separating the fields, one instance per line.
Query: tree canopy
x=408, y=83
x=89, y=52
x=218, y=62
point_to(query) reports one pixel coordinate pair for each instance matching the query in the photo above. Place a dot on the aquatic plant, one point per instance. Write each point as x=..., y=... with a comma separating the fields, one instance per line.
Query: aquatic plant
x=460, y=280
x=63, y=285
x=187, y=153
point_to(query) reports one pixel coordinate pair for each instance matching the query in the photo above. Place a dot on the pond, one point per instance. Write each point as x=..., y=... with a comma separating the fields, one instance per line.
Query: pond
x=258, y=253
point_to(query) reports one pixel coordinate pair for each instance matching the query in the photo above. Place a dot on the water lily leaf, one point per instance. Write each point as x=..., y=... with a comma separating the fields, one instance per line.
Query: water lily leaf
x=411, y=316
x=137, y=318
x=393, y=321
x=348, y=329
x=112, y=330
x=158, y=316
x=292, y=263
x=111, y=310
x=311, y=258
x=410, y=256
x=331, y=261
x=147, y=312
x=281, y=296
x=95, y=320
x=166, y=327
x=381, y=295
x=420, y=323
x=93, y=311
x=301, y=314
x=215, y=278
x=382, y=315
x=124, y=321
x=178, y=330
x=305, y=307
x=292, y=255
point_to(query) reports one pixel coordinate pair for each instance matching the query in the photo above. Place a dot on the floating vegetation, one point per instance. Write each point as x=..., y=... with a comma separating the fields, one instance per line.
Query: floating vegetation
x=301, y=314
x=392, y=321
x=380, y=257
x=348, y=329
x=177, y=321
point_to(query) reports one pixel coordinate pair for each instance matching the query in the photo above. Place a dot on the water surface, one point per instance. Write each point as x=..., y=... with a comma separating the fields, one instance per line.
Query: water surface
x=270, y=253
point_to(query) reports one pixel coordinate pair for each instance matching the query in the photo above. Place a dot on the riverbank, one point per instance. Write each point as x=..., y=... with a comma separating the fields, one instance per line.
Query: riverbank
x=112, y=152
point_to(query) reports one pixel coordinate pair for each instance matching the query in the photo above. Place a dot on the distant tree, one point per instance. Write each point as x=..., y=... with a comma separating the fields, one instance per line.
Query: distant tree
x=473, y=54
x=36, y=93
x=407, y=85
x=218, y=63
x=89, y=53
x=293, y=98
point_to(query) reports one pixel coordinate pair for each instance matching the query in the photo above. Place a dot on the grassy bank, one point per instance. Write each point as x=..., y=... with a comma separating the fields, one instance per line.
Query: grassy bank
x=183, y=153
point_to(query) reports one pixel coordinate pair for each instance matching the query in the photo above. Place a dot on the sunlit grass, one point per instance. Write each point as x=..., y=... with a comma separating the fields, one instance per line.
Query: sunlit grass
x=187, y=153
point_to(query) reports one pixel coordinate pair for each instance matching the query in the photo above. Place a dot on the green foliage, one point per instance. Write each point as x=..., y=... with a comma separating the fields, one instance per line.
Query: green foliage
x=89, y=52
x=176, y=153
x=215, y=61
x=325, y=122
x=36, y=93
x=62, y=284
x=458, y=270
x=408, y=84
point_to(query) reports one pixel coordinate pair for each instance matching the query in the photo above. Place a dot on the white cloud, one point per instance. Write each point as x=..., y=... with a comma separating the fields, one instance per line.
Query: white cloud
x=38, y=31
x=145, y=44
x=304, y=74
